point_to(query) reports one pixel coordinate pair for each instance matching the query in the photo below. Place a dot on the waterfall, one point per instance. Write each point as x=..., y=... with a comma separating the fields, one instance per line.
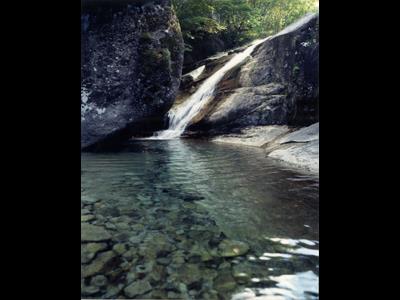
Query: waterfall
x=180, y=117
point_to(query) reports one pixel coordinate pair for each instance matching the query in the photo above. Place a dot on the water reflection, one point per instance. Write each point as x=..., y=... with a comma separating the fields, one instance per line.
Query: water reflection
x=171, y=203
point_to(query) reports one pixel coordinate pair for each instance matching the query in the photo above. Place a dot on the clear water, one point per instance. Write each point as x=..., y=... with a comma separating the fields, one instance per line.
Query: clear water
x=179, y=196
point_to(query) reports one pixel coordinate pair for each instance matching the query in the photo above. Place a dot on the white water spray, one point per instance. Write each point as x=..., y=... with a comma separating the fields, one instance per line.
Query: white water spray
x=180, y=117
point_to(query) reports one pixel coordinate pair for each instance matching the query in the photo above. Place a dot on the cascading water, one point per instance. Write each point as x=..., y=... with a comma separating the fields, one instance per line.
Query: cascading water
x=180, y=117
x=183, y=114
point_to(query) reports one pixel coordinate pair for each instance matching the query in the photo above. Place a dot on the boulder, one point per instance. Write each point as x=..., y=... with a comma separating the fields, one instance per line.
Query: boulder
x=131, y=63
x=277, y=85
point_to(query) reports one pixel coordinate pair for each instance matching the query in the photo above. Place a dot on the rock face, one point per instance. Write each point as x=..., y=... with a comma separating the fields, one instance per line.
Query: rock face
x=131, y=63
x=278, y=85
x=296, y=147
x=203, y=48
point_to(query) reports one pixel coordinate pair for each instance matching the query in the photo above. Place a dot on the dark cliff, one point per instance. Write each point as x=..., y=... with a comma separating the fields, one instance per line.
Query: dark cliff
x=131, y=63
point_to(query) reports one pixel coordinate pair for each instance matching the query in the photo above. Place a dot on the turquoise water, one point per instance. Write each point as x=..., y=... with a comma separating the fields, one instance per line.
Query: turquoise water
x=171, y=204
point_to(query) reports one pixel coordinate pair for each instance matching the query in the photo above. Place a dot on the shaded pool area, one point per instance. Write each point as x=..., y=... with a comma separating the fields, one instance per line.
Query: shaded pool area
x=186, y=219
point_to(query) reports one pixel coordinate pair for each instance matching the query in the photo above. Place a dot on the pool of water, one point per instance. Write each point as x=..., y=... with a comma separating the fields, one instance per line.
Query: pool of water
x=186, y=219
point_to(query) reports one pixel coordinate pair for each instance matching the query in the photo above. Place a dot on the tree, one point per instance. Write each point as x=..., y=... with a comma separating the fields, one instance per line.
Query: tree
x=237, y=21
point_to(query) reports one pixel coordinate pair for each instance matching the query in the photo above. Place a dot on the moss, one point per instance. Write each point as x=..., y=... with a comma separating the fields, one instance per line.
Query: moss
x=296, y=70
x=166, y=54
x=155, y=58
x=146, y=37
x=172, y=44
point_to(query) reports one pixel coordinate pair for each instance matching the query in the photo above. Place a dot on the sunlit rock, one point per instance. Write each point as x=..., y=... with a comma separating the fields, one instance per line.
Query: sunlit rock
x=230, y=248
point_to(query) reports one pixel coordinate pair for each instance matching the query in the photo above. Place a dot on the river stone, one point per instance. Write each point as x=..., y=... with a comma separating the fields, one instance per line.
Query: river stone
x=241, y=278
x=158, y=294
x=224, y=282
x=199, y=253
x=130, y=254
x=122, y=226
x=99, y=281
x=224, y=265
x=89, y=290
x=98, y=265
x=131, y=276
x=144, y=268
x=178, y=257
x=112, y=292
x=120, y=249
x=155, y=245
x=89, y=251
x=137, y=288
x=92, y=233
x=211, y=295
x=231, y=248
x=156, y=274
x=87, y=218
x=164, y=261
x=110, y=226
x=85, y=211
x=173, y=295
x=189, y=274
x=88, y=200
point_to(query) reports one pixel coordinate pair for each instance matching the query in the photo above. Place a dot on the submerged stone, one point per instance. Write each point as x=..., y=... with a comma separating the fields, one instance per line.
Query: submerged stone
x=88, y=200
x=231, y=248
x=144, y=268
x=99, y=281
x=137, y=288
x=87, y=218
x=241, y=278
x=119, y=249
x=224, y=282
x=89, y=251
x=189, y=274
x=92, y=233
x=98, y=265
x=89, y=290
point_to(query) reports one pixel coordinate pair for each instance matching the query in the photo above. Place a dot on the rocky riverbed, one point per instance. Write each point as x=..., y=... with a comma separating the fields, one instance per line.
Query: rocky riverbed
x=152, y=251
x=147, y=235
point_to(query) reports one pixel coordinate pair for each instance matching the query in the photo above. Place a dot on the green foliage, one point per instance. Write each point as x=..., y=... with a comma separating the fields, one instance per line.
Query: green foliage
x=296, y=70
x=237, y=21
x=156, y=58
x=145, y=37
x=197, y=17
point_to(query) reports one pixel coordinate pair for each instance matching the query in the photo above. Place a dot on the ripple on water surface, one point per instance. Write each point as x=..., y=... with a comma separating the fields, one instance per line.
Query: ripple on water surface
x=196, y=220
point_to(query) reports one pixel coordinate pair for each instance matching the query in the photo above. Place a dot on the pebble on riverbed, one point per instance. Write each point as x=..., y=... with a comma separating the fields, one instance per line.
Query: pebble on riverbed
x=157, y=250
